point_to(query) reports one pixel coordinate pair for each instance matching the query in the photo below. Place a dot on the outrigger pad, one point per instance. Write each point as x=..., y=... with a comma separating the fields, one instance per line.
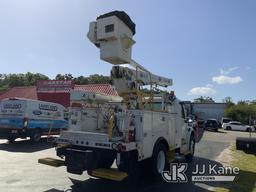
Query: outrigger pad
x=51, y=162
x=111, y=174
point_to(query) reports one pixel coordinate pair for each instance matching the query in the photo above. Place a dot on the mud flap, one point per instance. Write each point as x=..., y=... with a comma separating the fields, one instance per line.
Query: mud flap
x=79, y=161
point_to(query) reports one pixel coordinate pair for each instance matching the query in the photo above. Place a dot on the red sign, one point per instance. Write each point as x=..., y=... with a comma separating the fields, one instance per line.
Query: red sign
x=55, y=85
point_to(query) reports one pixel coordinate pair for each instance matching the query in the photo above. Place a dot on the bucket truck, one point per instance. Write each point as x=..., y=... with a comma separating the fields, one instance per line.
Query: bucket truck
x=145, y=123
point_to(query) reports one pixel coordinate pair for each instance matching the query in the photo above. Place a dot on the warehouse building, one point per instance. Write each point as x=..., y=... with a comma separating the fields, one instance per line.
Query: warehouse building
x=206, y=111
x=57, y=91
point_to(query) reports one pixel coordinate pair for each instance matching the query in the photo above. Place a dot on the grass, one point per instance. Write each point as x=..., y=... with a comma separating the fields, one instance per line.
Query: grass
x=246, y=181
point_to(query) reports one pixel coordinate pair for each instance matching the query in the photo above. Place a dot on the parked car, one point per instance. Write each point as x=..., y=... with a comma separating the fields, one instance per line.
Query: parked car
x=211, y=124
x=237, y=126
x=225, y=120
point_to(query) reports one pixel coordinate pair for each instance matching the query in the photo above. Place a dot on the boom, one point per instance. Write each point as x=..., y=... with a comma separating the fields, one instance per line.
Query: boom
x=113, y=34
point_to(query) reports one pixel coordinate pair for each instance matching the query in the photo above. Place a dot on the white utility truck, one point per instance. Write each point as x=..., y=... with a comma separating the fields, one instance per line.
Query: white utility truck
x=21, y=118
x=145, y=124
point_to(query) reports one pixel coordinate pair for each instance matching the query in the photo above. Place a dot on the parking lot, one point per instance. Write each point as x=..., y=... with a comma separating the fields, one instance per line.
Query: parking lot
x=21, y=172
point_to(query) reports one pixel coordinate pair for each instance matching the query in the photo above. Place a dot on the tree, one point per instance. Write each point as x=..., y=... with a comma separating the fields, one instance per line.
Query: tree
x=98, y=79
x=202, y=99
x=29, y=79
x=228, y=101
x=64, y=77
x=92, y=79
x=59, y=77
x=81, y=80
x=15, y=80
x=242, y=112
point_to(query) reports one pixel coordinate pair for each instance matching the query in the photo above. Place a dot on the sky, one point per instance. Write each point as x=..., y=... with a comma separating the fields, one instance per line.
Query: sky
x=208, y=47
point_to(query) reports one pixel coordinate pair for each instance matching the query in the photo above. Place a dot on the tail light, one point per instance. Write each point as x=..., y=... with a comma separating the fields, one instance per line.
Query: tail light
x=121, y=147
x=131, y=132
x=25, y=122
x=131, y=135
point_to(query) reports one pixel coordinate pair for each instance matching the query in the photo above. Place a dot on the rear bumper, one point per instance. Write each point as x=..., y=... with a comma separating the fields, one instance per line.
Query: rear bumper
x=211, y=128
x=78, y=160
x=6, y=133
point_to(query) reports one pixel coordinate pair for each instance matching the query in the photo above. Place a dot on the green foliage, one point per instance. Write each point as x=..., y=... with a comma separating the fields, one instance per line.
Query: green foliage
x=13, y=80
x=64, y=77
x=98, y=79
x=29, y=79
x=202, y=99
x=92, y=79
x=243, y=111
x=228, y=101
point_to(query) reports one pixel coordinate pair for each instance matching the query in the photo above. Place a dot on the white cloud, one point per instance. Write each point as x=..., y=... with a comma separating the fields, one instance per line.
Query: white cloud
x=202, y=91
x=222, y=79
x=227, y=71
x=209, y=85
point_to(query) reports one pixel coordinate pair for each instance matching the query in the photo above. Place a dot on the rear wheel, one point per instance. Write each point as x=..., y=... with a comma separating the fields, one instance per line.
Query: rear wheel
x=159, y=161
x=248, y=129
x=11, y=139
x=36, y=136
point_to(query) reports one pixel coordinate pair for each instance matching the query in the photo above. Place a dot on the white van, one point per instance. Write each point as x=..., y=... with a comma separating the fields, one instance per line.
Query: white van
x=21, y=118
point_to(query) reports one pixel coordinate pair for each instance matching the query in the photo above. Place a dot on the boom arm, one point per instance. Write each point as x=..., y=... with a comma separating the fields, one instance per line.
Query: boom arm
x=113, y=34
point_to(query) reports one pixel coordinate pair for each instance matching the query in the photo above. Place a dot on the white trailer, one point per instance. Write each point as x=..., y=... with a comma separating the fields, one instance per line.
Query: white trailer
x=21, y=118
x=143, y=127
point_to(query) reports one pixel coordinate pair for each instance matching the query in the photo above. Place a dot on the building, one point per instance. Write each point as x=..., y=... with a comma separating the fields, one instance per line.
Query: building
x=209, y=110
x=56, y=91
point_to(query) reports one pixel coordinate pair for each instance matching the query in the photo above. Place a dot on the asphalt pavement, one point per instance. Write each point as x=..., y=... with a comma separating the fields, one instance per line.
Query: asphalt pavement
x=20, y=171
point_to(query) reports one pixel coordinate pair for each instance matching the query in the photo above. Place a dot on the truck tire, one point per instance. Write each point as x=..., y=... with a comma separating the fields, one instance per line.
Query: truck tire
x=11, y=139
x=158, y=161
x=249, y=130
x=189, y=157
x=35, y=136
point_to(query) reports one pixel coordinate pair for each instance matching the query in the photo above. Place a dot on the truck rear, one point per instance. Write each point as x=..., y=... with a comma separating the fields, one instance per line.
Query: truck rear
x=100, y=134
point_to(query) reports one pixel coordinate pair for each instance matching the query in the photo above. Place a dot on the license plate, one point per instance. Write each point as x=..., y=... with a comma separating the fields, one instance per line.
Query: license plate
x=14, y=131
